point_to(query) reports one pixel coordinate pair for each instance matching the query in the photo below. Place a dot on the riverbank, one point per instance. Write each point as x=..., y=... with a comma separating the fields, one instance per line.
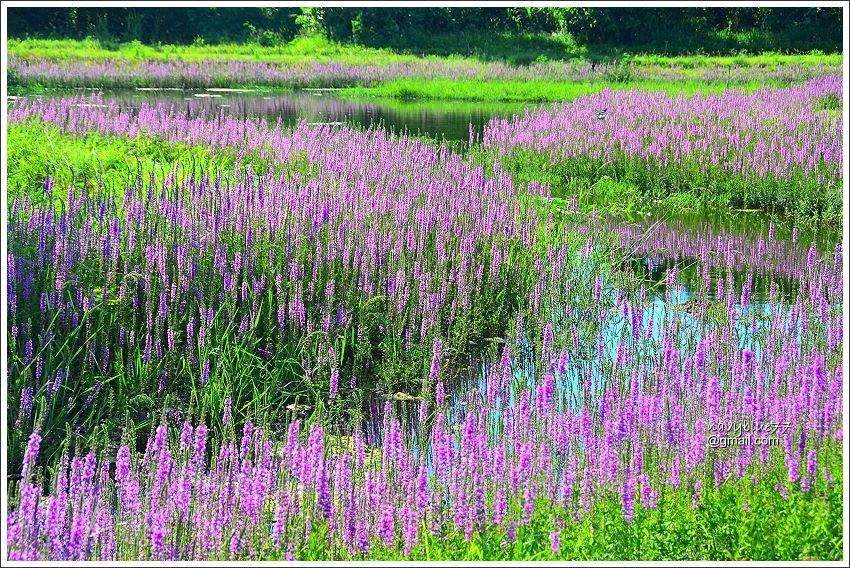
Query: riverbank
x=310, y=62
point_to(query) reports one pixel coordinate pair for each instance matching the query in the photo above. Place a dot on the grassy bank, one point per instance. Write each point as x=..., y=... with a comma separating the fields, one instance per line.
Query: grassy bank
x=37, y=150
x=540, y=91
x=621, y=188
x=312, y=48
x=320, y=49
x=314, y=62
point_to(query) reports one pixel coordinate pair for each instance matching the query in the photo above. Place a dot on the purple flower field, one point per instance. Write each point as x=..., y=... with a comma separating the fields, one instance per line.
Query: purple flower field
x=228, y=72
x=775, y=147
x=349, y=344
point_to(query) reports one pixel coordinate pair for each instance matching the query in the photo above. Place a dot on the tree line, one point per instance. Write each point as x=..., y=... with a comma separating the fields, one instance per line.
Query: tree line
x=652, y=29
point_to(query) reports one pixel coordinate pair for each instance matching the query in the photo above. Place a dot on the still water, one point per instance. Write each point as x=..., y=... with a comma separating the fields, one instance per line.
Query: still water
x=449, y=121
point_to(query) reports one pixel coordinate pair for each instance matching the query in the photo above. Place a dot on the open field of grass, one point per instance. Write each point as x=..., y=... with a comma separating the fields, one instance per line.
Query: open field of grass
x=532, y=91
x=314, y=48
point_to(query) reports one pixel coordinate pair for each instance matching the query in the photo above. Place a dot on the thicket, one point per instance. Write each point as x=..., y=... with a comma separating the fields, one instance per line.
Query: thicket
x=487, y=32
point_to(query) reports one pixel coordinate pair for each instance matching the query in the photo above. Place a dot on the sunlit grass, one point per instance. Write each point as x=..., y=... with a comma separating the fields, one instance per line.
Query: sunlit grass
x=538, y=91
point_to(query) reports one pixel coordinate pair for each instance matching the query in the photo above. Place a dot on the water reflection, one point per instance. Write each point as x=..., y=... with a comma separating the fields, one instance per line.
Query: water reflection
x=743, y=242
x=734, y=249
x=451, y=121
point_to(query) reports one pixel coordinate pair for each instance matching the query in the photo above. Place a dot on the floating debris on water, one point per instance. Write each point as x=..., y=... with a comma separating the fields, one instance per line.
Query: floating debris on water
x=225, y=90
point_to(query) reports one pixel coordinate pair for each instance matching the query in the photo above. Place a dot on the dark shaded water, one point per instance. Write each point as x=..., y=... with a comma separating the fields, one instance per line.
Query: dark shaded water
x=442, y=120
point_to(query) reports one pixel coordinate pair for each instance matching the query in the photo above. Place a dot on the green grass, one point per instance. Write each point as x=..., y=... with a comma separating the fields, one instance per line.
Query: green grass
x=318, y=48
x=625, y=185
x=772, y=60
x=741, y=520
x=37, y=151
x=536, y=91
x=601, y=189
x=299, y=50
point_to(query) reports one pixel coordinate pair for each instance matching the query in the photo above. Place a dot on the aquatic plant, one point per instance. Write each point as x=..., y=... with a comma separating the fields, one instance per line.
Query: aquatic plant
x=347, y=257
x=776, y=149
x=615, y=416
x=722, y=432
x=223, y=72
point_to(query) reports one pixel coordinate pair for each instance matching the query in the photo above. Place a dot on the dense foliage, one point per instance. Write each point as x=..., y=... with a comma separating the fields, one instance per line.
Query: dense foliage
x=674, y=29
x=336, y=252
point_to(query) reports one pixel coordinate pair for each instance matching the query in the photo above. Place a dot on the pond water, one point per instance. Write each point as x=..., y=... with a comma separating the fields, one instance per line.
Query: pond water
x=442, y=120
x=738, y=246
